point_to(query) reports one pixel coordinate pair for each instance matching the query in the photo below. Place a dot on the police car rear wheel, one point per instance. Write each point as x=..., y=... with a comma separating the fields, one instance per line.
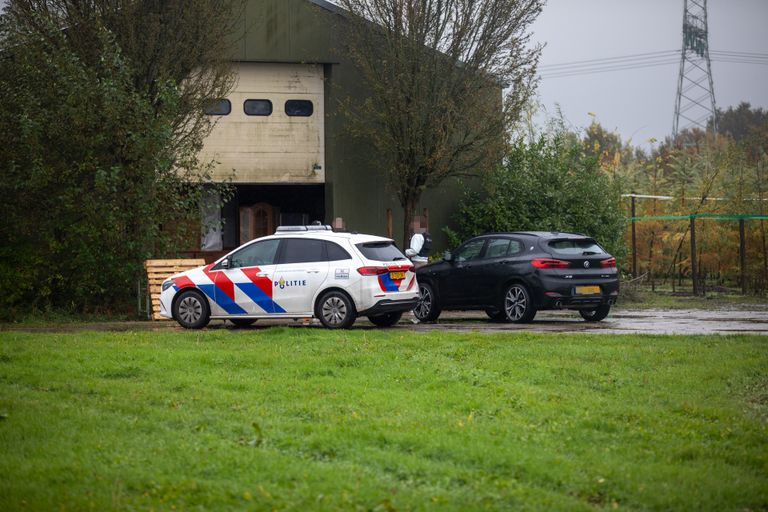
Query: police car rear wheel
x=336, y=310
x=191, y=310
x=386, y=320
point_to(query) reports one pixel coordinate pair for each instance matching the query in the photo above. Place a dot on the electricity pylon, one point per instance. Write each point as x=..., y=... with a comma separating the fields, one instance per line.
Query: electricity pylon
x=695, y=103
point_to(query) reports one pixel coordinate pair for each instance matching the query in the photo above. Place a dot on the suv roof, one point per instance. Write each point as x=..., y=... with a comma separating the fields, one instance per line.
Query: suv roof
x=541, y=234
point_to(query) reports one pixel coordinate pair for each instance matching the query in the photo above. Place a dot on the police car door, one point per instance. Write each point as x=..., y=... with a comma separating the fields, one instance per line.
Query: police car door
x=302, y=268
x=247, y=282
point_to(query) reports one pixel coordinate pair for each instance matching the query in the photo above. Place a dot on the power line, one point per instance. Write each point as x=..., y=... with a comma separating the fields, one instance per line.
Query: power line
x=636, y=56
x=641, y=61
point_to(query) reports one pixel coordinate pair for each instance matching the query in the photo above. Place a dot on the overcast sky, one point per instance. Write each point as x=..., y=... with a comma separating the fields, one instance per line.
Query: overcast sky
x=639, y=103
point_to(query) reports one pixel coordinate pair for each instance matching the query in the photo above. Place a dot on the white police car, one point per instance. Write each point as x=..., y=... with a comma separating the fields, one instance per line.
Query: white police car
x=299, y=272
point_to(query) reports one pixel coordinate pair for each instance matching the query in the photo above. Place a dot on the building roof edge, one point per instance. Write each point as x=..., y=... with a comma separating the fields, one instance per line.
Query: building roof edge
x=329, y=7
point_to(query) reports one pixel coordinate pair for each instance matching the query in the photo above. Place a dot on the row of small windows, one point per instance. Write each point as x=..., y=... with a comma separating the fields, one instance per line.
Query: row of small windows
x=293, y=108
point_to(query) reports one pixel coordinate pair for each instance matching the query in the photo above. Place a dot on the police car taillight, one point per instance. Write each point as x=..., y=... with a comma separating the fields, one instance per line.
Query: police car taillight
x=377, y=271
x=372, y=271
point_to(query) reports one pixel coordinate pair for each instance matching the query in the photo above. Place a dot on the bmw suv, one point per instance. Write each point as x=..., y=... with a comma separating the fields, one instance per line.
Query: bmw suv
x=513, y=275
x=299, y=272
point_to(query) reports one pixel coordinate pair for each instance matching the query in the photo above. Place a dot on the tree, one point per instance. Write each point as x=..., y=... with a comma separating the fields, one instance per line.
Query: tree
x=548, y=184
x=436, y=71
x=184, y=42
x=93, y=164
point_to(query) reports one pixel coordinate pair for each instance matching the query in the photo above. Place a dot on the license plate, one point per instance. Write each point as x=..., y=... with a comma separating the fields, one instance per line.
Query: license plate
x=587, y=290
x=397, y=275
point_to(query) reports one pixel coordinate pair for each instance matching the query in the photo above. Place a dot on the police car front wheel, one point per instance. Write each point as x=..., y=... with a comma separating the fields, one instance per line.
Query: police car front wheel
x=191, y=310
x=336, y=310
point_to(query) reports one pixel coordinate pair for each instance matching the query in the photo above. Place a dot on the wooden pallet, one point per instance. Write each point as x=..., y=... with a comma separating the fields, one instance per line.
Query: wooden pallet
x=158, y=271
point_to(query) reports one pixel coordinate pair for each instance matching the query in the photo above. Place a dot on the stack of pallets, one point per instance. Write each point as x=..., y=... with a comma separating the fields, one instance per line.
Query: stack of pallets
x=158, y=271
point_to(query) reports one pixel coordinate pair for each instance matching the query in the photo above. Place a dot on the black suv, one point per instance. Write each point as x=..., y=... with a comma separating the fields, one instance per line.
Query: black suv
x=513, y=275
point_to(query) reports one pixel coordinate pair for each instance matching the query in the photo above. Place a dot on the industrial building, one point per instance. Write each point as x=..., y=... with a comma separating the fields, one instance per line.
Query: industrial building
x=281, y=137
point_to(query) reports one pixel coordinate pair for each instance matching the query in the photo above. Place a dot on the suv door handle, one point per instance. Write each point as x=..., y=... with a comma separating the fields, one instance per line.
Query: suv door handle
x=313, y=271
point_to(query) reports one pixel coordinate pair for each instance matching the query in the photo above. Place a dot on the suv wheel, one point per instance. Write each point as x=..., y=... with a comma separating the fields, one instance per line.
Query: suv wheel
x=517, y=304
x=191, y=310
x=495, y=315
x=427, y=309
x=386, y=320
x=336, y=310
x=596, y=314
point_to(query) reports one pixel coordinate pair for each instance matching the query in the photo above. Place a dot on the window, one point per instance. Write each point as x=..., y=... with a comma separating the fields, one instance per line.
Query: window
x=219, y=107
x=515, y=247
x=583, y=247
x=259, y=253
x=302, y=251
x=470, y=251
x=257, y=107
x=299, y=108
x=381, y=251
x=497, y=248
x=336, y=252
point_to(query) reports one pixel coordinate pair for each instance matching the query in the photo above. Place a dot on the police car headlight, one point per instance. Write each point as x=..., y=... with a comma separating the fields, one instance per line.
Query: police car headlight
x=167, y=284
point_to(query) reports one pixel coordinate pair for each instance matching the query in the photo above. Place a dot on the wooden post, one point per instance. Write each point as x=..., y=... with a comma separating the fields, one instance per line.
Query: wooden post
x=694, y=262
x=742, y=257
x=390, y=229
x=634, y=239
x=674, y=267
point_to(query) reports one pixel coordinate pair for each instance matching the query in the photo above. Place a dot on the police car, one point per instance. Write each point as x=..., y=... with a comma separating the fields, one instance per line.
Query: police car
x=299, y=272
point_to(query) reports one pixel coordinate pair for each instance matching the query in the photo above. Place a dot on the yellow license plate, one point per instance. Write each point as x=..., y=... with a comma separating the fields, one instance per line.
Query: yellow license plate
x=588, y=290
x=397, y=275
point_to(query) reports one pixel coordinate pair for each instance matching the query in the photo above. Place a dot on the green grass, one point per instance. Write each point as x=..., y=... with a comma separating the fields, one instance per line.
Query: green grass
x=301, y=419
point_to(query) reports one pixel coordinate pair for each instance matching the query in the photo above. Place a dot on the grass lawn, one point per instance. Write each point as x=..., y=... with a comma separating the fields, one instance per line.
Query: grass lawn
x=304, y=418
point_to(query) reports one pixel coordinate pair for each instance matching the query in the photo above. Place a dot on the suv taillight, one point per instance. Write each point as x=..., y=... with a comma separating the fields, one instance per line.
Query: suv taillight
x=609, y=263
x=550, y=263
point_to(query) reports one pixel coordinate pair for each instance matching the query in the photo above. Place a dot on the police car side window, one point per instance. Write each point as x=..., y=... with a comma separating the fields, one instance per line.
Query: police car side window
x=336, y=252
x=259, y=253
x=302, y=251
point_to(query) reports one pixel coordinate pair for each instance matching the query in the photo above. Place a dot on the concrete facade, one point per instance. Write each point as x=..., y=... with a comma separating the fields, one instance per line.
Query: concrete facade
x=274, y=148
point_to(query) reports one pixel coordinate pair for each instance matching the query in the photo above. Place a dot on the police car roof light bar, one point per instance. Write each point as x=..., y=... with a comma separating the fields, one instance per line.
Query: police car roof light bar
x=298, y=229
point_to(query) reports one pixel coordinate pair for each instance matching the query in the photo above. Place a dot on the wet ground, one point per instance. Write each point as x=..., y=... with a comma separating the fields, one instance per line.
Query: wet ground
x=737, y=320
x=641, y=321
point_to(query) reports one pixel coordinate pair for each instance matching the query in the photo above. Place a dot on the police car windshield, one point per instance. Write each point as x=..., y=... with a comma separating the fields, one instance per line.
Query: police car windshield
x=381, y=251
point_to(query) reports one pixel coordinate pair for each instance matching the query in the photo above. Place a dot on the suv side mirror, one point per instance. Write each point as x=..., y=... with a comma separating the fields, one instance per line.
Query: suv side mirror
x=447, y=256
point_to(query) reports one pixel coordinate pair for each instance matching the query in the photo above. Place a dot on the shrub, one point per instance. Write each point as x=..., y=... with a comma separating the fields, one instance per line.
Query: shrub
x=548, y=184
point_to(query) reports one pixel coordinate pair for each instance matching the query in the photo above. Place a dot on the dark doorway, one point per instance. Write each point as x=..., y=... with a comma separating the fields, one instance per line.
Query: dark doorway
x=257, y=210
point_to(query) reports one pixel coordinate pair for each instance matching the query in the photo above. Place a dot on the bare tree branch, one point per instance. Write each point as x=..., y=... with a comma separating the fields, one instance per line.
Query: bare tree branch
x=436, y=70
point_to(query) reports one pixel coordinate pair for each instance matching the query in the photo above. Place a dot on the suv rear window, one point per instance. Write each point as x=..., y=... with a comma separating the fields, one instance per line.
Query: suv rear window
x=583, y=247
x=380, y=251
